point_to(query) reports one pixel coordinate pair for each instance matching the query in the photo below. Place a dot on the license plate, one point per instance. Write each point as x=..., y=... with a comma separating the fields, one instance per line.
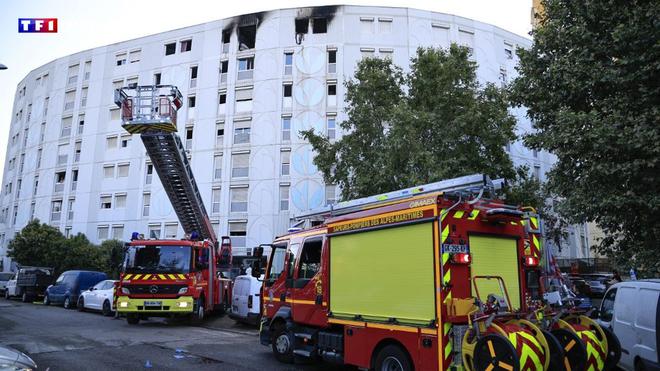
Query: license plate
x=153, y=303
x=455, y=249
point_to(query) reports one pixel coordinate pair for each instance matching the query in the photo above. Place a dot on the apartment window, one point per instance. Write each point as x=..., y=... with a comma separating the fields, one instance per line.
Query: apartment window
x=384, y=25
x=122, y=170
x=60, y=177
x=239, y=199
x=508, y=50
x=287, y=99
x=81, y=124
x=245, y=68
x=332, y=127
x=170, y=230
x=385, y=53
x=135, y=55
x=224, y=69
x=111, y=142
x=240, y=167
x=42, y=132
x=238, y=233
x=219, y=134
x=243, y=100
x=170, y=48
x=102, y=232
x=440, y=33
x=46, y=101
x=286, y=128
x=65, y=132
x=537, y=172
x=330, y=194
x=114, y=114
x=120, y=59
x=466, y=38
x=108, y=171
x=535, y=153
x=332, y=94
x=154, y=231
x=157, y=77
x=367, y=52
x=242, y=132
x=226, y=38
x=193, y=77
x=74, y=179
x=288, y=63
x=215, y=200
x=285, y=162
x=247, y=36
x=132, y=81
x=186, y=45
x=332, y=61
x=106, y=202
x=367, y=25
x=503, y=77
x=77, y=147
x=72, y=76
x=302, y=25
x=284, y=198
x=149, y=174
x=146, y=203
x=118, y=232
x=189, y=137
x=83, y=97
x=29, y=112
x=62, y=154
x=70, y=208
x=33, y=207
x=55, y=210
x=88, y=68
x=192, y=101
x=217, y=167
x=125, y=141
x=319, y=25
x=120, y=200
x=19, y=183
x=21, y=164
x=117, y=84
x=222, y=100
x=69, y=100
x=35, y=187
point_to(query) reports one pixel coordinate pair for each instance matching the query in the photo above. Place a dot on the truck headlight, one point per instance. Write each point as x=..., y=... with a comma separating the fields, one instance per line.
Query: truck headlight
x=123, y=304
x=125, y=290
x=183, y=304
x=183, y=290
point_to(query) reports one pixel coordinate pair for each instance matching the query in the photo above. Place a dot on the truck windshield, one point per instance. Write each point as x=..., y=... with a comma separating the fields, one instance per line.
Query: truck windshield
x=157, y=259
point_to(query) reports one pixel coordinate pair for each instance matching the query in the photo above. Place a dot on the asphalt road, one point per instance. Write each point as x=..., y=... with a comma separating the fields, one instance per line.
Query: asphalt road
x=60, y=339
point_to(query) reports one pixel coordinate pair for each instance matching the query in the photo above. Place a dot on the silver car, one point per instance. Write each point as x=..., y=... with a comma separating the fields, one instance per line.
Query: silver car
x=11, y=359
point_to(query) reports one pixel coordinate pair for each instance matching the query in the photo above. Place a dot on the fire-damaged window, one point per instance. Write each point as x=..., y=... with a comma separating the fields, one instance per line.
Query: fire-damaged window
x=319, y=25
x=302, y=25
x=226, y=37
x=247, y=36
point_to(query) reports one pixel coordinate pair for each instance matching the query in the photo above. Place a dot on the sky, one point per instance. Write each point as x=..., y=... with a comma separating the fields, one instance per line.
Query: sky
x=86, y=24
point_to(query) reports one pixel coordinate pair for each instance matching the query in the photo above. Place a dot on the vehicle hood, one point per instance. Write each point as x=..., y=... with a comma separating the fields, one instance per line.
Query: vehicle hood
x=11, y=359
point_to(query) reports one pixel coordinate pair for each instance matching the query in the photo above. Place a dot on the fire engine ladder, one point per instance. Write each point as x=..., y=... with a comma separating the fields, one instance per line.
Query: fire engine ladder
x=475, y=182
x=151, y=112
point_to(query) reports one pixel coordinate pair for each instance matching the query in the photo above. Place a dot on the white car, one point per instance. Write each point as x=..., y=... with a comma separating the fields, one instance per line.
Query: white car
x=98, y=297
x=11, y=288
x=4, y=278
x=245, y=303
x=631, y=309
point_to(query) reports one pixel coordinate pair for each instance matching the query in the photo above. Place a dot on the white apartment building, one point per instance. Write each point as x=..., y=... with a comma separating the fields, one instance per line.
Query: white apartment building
x=250, y=84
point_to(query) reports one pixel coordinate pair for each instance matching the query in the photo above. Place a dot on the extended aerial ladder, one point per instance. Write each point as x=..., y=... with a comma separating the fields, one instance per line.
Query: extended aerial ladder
x=151, y=112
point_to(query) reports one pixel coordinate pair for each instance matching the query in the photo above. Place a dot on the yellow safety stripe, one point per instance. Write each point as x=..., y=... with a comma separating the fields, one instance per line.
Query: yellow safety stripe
x=128, y=276
x=379, y=326
x=443, y=214
x=534, y=222
x=458, y=214
x=445, y=233
x=473, y=215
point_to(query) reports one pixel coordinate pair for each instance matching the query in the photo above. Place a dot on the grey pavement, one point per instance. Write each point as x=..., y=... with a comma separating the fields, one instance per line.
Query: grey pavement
x=60, y=339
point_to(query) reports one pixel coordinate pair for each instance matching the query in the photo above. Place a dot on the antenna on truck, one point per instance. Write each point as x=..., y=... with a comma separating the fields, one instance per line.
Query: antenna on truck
x=473, y=183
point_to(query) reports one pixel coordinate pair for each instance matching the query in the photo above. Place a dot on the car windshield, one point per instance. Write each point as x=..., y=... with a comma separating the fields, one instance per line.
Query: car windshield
x=157, y=259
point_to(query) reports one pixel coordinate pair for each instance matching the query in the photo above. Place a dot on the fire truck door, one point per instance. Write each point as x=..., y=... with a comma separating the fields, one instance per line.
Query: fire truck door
x=306, y=289
x=275, y=289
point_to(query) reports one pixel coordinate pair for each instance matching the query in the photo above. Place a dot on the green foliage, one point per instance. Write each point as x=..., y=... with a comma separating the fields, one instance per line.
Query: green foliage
x=435, y=122
x=590, y=84
x=42, y=245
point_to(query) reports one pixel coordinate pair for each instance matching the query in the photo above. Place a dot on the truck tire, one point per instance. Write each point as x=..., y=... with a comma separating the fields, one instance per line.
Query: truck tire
x=46, y=300
x=392, y=357
x=25, y=298
x=132, y=319
x=197, y=316
x=7, y=295
x=282, y=344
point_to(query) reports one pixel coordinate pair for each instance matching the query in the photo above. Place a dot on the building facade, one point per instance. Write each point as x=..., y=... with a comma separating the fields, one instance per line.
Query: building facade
x=250, y=84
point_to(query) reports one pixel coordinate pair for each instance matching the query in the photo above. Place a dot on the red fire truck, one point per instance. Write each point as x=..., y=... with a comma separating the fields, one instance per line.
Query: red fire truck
x=170, y=277
x=427, y=278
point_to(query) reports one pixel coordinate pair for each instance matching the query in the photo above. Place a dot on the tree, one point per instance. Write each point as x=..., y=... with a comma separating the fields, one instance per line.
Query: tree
x=590, y=86
x=113, y=253
x=435, y=122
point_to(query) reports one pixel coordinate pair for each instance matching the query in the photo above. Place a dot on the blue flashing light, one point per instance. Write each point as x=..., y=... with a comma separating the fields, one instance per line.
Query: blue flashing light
x=135, y=235
x=194, y=235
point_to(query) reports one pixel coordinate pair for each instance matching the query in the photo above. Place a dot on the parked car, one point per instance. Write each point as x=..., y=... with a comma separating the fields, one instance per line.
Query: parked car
x=246, y=303
x=12, y=359
x=29, y=283
x=631, y=309
x=69, y=285
x=597, y=288
x=99, y=297
x=4, y=278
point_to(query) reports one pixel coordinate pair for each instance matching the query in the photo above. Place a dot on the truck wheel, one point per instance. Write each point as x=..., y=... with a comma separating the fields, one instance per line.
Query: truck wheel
x=25, y=297
x=81, y=304
x=197, y=316
x=392, y=358
x=46, y=300
x=107, y=309
x=132, y=319
x=67, y=303
x=282, y=343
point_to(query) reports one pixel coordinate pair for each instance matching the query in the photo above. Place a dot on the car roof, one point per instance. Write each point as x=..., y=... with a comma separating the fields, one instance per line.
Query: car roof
x=654, y=283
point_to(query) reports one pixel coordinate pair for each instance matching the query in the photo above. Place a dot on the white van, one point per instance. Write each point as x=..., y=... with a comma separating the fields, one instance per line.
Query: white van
x=245, y=302
x=631, y=310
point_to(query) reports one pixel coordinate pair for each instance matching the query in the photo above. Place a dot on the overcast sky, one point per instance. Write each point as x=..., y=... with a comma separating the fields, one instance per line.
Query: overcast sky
x=85, y=24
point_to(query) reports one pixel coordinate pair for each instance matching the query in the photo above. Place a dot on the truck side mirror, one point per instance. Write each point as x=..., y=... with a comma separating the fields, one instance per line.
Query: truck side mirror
x=256, y=268
x=258, y=251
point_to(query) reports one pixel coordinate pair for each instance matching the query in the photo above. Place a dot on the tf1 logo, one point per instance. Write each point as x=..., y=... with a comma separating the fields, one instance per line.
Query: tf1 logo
x=47, y=25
